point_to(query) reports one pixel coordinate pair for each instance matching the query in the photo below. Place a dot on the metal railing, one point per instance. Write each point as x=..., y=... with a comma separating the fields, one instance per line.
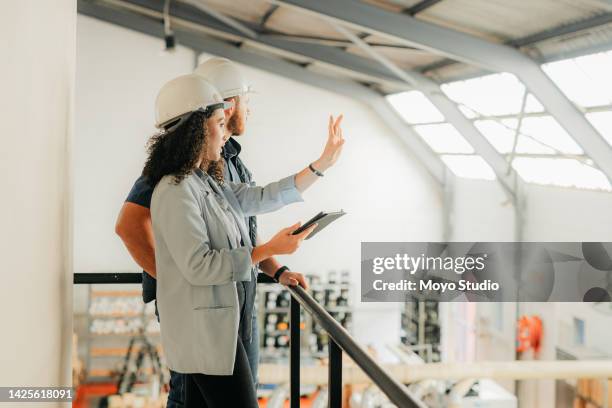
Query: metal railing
x=339, y=341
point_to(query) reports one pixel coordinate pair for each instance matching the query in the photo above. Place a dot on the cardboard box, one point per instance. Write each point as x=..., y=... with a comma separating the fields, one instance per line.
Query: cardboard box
x=129, y=400
x=598, y=393
x=579, y=403
x=583, y=387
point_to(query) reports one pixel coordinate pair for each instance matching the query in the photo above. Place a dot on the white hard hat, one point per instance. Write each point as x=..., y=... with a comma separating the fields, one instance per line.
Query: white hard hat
x=184, y=95
x=224, y=75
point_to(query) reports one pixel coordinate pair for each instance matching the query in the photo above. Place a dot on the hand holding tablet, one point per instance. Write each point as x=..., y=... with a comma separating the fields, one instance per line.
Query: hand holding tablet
x=322, y=220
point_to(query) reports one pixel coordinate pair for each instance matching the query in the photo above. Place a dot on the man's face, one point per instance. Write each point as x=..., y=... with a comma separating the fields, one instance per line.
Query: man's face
x=236, y=123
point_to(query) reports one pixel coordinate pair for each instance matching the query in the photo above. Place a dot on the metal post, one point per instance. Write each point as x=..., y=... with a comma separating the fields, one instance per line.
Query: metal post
x=294, y=344
x=335, y=375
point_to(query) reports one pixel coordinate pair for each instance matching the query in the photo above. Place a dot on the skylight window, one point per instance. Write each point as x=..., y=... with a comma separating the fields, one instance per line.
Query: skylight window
x=444, y=138
x=415, y=108
x=560, y=172
x=469, y=166
x=502, y=138
x=602, y=121
x=585, y=80
x=492, y=95
x=547, y=130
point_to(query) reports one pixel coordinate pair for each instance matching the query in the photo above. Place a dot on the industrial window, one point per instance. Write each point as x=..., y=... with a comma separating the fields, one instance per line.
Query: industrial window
x=468, y=166
x=501, y=135
x=415, y=108
x=541, y=151
x=579, y=332
x=585, y=80
x=491, y=95
x=602, y=121
x=444, y=138
x=561, y=172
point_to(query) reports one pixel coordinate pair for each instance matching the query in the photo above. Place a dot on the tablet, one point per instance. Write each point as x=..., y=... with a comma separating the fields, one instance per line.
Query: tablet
x=323, y=219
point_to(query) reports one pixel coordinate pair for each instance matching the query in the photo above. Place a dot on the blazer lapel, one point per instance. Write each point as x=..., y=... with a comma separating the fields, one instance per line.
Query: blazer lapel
x=234, y=207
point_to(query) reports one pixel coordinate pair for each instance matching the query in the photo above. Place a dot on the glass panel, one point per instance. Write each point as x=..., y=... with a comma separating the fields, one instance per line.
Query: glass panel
x=502, y=138
x=548, y=131
x=444, y=138
x=561, y=172
x=415, y=108
x=497, y=94
x=579, y=332
x=533, y=104
x=585, y=80
x=603, y=123
x=469, y=166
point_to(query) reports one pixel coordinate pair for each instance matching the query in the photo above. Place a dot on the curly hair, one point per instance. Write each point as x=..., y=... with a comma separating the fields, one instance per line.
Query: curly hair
x=177, y=151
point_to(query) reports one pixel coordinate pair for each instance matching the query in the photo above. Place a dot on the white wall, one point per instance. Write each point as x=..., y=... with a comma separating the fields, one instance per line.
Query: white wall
x=387, y=195
x=481, y=212
x=119, y=73
x=565, y=214
x=551, y=214
x=37, y=74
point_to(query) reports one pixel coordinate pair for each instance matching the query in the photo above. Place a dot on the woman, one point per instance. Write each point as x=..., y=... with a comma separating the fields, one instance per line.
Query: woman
x=202, y=245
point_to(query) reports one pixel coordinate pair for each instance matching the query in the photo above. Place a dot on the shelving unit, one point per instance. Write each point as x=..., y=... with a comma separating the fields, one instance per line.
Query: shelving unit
x=584, y=392
x=420, y=328
x=273, y=316
x=113, y=317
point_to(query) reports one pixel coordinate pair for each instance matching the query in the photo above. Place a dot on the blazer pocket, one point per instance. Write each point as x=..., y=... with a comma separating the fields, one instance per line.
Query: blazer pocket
x=216, y=297
x=212, y=307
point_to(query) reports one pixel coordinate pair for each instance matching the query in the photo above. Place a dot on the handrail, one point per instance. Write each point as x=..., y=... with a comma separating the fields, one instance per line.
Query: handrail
x=97, y=278
x=130, y=277
x=340, y=340
x=396, y=392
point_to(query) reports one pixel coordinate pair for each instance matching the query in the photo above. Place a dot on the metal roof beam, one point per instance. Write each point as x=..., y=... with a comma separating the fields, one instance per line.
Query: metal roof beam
x=152, y=26
x=266, y=16
x=420, y=7
x=606, y=4
x=229, y=21
x=449, y=109
x=369, y=71
x=562, y=30
x=555, y=32
x=411, y=31
x=473, y=50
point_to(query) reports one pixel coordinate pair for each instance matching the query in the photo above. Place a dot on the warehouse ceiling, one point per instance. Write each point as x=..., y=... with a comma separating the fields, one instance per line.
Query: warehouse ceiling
x=546, y=30
x=375, y=48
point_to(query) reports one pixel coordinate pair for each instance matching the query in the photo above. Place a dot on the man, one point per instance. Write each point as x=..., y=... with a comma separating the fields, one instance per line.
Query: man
x=135, y=229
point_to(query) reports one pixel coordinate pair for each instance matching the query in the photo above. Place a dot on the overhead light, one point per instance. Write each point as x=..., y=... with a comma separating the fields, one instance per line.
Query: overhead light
x=170, y=42
x=169, y=38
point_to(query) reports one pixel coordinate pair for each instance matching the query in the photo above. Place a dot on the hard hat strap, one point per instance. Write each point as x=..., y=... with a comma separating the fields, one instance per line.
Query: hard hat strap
x=175, y=123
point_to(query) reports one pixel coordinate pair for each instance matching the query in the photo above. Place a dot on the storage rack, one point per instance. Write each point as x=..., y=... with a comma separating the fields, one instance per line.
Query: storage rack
x=113, y=318
x=273, y=316
x=420, y=328
x=583, y=392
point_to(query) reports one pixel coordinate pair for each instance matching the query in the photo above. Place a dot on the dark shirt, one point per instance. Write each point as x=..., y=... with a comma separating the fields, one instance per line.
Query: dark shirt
x=235, y=171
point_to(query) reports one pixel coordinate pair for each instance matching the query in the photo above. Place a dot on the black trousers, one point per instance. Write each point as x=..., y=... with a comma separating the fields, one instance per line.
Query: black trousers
x=221, y=391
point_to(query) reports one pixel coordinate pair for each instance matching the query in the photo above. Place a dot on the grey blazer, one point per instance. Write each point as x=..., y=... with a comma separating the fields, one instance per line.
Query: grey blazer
x=198, y=264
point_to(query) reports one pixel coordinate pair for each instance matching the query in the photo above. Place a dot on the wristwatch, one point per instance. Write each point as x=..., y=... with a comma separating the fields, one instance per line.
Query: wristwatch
x=315, y=171
x=279, y=272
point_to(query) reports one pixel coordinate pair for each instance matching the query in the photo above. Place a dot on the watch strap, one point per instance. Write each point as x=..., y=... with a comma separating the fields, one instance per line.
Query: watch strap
x=279, y=272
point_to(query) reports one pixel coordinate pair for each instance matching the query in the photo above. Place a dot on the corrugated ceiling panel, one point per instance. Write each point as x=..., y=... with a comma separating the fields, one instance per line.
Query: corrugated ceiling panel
x=504, y=20
x=393, y=5
x=246, y=10
x=295, y=22
x=404, y=58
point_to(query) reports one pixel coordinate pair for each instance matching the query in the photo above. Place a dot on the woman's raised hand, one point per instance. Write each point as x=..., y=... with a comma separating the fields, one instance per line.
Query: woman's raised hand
x=334, y=144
